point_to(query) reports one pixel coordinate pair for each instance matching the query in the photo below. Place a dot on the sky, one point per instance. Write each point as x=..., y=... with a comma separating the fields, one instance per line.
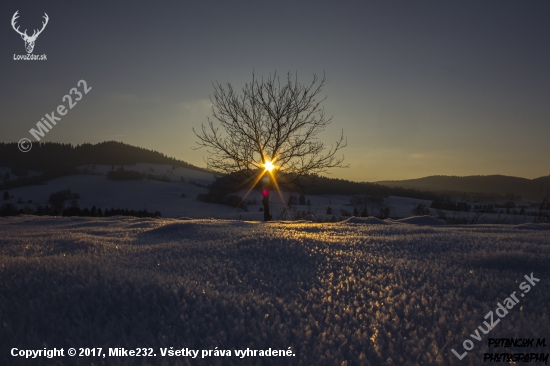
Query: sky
x=419, y=87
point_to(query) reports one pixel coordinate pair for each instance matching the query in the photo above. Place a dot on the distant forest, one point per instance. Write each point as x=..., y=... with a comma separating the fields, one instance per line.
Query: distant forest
x=55, y=160
x=324, y=185
x=498, y=186
x=222, y=190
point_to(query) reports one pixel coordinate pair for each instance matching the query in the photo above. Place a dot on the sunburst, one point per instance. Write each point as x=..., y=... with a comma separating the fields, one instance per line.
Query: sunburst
x=269, y=169
x=268, y=166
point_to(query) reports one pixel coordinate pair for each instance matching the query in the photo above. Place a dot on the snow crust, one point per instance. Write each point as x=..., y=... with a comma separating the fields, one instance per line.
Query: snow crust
x=532, y=226
x=369, y=294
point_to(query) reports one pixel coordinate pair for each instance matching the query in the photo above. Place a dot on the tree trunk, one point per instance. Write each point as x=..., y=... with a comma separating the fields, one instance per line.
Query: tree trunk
x=265, y=201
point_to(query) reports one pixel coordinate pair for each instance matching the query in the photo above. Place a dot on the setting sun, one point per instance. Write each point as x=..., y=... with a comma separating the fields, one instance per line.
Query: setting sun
x=269, y=166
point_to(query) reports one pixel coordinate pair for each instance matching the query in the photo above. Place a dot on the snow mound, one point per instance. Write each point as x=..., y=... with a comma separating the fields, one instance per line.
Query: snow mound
x=532, y=226
x=211, y=229
x=309, y=217
x=145, y=224
x=178, y=228
x=422, y=220
x=365, y=220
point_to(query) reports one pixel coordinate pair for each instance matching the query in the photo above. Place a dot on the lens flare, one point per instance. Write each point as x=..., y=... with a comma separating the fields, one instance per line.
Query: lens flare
x=269, y=166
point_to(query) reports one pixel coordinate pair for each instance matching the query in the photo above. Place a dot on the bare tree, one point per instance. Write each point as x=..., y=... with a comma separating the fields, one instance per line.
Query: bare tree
x=268, y=134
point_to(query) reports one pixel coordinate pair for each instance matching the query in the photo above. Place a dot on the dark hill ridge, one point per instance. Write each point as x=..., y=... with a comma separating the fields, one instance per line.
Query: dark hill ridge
x=54, y=160
x=50, y=155
x=318, y=185
x=500, y=185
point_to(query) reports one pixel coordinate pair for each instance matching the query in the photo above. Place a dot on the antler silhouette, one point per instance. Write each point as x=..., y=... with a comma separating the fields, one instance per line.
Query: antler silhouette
x=24, y=34
x=15, y=16
x=43, y=26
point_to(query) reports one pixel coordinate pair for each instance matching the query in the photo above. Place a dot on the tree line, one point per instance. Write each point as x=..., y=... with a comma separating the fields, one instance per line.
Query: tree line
x=54, y=160
x=9, y=209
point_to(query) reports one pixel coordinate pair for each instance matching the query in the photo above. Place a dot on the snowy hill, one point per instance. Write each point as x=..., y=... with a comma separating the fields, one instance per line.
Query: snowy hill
x=166, y=197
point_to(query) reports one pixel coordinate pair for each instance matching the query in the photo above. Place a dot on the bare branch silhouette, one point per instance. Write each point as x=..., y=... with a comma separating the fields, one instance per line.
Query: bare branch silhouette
x=271, y=120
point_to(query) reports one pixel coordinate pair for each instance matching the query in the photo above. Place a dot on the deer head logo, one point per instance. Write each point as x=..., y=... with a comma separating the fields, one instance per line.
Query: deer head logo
x=29, y=41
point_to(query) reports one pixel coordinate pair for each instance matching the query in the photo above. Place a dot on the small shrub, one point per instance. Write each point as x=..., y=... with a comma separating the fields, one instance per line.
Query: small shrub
x=344, y=212
x=8, y=209
x=58, y=199
x=384, y=213
x=421, y=210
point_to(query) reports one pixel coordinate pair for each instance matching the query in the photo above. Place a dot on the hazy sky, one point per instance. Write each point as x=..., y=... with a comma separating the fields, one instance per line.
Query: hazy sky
x=419, y=87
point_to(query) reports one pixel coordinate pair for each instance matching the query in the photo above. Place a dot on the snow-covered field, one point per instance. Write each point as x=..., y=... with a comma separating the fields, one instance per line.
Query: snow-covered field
x=348, y=293
x=153, y=195
x=166, y=197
